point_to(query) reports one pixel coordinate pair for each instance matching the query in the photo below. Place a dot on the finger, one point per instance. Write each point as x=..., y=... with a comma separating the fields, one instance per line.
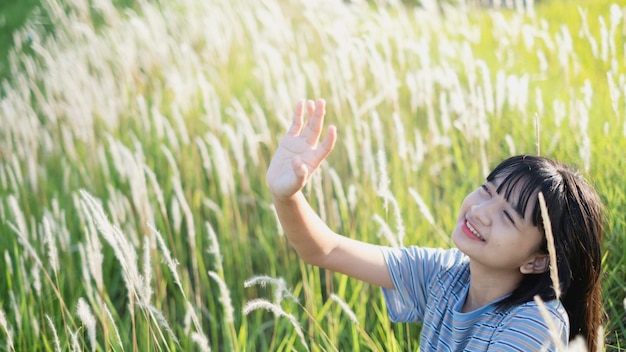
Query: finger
x=313, y=128
x=296, y=124
x=328, y=143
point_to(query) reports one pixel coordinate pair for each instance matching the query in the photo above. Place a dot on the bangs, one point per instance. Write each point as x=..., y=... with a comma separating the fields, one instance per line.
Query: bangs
x=521, y=179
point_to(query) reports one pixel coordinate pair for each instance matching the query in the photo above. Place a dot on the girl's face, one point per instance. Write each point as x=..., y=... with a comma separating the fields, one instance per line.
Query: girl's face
x=491, y=232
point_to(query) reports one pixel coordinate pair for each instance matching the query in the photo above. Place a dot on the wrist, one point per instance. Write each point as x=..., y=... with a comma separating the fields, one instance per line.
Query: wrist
x=281, y=198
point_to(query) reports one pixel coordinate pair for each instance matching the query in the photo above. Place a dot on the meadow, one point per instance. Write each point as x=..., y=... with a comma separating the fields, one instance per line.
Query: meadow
x=134, y=213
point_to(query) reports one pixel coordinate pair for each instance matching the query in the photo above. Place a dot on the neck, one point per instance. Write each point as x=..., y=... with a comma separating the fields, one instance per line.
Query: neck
x=488, y=285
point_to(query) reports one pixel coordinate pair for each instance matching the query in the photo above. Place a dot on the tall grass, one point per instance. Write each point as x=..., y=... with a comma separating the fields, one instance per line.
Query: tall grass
x=133, y=146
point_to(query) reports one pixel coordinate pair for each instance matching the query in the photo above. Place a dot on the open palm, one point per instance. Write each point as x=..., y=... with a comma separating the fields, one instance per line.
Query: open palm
x=298, y=154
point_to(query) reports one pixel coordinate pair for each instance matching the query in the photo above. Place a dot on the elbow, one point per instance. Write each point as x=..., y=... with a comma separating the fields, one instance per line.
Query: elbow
x=312, y=255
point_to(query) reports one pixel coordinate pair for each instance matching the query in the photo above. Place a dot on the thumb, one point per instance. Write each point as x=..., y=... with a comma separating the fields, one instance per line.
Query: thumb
x=300, y=170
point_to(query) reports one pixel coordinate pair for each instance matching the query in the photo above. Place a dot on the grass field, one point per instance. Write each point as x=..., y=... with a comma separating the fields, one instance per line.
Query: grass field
x=13, y=15
x=135, y=138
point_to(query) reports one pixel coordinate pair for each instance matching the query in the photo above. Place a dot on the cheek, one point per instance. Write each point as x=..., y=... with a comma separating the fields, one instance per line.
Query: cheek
x=469, y=200
x=463, y=210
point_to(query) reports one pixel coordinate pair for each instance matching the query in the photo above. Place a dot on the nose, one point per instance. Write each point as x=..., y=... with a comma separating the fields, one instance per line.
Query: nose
x=483, y=212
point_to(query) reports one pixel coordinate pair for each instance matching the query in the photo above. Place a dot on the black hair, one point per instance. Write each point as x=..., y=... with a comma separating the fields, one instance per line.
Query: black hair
x=575, y=212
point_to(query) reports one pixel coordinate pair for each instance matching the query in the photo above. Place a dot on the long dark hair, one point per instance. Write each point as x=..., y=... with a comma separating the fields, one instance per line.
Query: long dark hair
x=575, y=212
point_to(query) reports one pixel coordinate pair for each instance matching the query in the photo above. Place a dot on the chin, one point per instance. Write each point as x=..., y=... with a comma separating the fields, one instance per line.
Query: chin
x=461, y=242
x=455, y=235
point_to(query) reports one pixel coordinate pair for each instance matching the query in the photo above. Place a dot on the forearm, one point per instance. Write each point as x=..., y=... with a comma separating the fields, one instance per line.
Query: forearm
x=312, y=239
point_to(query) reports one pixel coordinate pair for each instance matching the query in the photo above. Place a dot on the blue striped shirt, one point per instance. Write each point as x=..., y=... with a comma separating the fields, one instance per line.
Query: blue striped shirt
x=431, y=286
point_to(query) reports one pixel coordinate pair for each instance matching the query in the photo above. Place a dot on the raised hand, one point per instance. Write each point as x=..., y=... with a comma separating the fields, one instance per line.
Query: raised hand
x=298, y=154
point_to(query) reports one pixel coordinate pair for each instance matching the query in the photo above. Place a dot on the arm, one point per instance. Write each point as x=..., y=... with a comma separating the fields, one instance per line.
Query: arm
x=297, y=157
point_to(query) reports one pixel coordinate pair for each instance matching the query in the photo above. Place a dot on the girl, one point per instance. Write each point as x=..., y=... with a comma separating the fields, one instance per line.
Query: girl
x=480, y=295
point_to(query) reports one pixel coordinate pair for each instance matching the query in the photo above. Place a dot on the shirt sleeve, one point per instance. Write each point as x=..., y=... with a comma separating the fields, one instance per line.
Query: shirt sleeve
x=413, y=271
x=525, y=329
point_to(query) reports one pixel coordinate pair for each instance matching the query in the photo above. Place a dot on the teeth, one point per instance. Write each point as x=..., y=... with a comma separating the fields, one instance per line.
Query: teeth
x=469, y=226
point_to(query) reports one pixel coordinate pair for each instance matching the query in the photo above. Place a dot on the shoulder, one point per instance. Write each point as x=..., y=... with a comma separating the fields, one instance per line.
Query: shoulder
x=550, y=314
x=419, y=274
x=534, y=327
x=553, y=308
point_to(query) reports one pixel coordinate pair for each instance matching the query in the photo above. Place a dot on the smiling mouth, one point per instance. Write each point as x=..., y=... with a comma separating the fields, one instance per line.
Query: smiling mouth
x=474, y=231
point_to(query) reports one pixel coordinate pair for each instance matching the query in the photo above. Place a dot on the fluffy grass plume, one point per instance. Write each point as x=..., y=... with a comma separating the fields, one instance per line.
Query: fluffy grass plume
x=135, y=139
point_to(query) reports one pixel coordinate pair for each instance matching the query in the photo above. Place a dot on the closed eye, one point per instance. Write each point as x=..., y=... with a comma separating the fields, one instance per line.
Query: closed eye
x=486, y=189
x=509, y=217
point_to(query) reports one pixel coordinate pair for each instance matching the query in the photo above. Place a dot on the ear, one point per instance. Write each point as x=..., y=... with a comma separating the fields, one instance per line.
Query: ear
x=538, y=264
